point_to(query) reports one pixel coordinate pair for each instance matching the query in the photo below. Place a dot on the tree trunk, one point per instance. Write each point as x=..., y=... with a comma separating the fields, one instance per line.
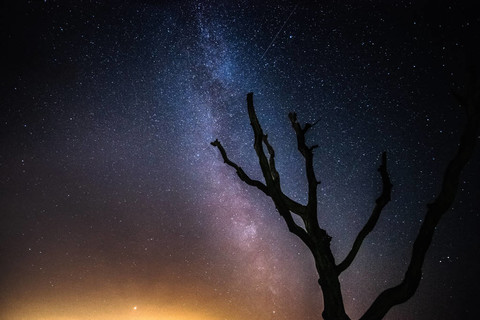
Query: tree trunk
x=328, y=281
x=333, y=308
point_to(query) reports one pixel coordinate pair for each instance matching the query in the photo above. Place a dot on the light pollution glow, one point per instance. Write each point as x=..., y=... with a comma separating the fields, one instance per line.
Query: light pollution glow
x=120, y=310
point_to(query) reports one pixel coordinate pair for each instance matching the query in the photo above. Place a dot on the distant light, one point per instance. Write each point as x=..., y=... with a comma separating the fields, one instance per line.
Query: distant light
x=135, y=308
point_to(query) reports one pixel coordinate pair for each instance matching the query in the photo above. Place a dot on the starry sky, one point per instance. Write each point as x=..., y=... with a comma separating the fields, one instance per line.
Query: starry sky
x=116, y=206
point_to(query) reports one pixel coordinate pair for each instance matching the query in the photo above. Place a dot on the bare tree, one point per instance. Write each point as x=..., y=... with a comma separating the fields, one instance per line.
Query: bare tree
x=317, y=238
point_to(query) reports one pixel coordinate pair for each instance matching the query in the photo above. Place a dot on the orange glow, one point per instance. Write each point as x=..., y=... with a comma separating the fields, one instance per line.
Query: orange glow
x=145, y=313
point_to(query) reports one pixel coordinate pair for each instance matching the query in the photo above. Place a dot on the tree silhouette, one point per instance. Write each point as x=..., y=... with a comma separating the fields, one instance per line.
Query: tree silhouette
x=318, y=240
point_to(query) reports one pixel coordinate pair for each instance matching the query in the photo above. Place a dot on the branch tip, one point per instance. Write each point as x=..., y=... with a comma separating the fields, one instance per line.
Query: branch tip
x=215, y=143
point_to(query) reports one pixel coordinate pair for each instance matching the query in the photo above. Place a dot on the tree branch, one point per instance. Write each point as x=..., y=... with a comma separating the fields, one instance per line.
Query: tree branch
x=293, y=227
x=271, y=161
x=294, y=206
x=269, y=170
x=311, y=221
x=283, y=208
x=381, y=202
x=258, y=143
x=241, y=174
x=405, y=290
x=283, y=203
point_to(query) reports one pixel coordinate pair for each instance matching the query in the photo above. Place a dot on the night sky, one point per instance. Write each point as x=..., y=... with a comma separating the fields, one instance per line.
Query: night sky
x=114, y=205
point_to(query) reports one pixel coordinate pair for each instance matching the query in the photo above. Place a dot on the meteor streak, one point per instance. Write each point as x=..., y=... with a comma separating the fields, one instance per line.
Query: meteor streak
x=295, y=8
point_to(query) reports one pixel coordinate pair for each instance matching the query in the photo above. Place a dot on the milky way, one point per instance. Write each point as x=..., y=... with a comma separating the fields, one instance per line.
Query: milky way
x=116, y=206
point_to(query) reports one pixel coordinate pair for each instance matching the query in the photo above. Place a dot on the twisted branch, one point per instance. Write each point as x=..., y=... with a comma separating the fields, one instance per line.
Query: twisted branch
x=381, y=202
